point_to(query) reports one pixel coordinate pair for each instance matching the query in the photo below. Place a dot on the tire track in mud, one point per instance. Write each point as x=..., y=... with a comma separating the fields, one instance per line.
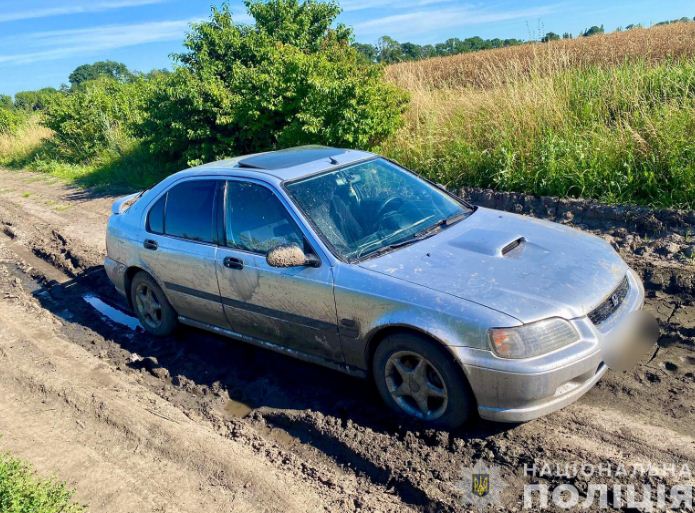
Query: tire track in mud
x=331, y=428
x=191, y=382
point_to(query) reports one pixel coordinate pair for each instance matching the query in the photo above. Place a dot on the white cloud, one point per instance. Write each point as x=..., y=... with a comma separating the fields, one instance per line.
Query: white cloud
x=427, y=22
x=73, y=8
x=360, y=5
x=58, y=44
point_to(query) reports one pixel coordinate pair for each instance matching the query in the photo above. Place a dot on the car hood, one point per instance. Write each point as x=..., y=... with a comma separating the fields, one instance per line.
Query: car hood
x=524, y=267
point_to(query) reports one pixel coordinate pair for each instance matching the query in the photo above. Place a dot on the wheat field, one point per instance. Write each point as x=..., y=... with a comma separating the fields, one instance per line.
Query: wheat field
x=490, y=68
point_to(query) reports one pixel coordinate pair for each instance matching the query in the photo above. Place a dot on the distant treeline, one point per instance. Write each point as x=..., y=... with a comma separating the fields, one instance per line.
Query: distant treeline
x=389, y=51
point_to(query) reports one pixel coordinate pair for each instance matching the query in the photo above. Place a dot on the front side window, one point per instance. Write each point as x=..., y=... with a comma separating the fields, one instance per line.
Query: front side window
x=256, y=220
x=189, y=210
x=373, y=206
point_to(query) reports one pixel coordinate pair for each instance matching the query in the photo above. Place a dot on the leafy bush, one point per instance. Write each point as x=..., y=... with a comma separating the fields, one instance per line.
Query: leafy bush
x=10, y=120
x=95, y=119
x=289, y=79
x=35, y=100
x=22, y=492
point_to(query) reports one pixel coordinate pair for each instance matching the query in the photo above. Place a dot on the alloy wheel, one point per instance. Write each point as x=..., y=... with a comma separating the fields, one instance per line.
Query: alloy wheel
x=149, y=307
x=416, y=385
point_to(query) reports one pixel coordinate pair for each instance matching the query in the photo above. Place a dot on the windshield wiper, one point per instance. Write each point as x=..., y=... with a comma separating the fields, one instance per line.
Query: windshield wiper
x=421, y=235
x=406, y=242
x=448, y=221
x=454, y=219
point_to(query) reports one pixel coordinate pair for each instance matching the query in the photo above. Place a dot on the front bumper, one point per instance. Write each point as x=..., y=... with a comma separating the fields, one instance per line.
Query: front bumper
x=509, y=390
x=116, y=272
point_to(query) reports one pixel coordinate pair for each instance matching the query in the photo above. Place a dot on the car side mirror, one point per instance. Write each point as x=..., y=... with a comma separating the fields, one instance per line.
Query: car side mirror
x=290, y=255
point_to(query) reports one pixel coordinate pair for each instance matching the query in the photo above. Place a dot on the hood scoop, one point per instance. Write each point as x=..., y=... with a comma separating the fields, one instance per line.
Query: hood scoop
x=513, y=245
x=489, y=242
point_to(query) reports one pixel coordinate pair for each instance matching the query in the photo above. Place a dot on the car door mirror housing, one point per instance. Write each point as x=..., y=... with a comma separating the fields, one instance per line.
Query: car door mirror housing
x=290, y=255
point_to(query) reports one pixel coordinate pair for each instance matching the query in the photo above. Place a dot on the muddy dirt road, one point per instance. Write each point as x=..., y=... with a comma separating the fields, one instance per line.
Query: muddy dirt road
x=195, y=422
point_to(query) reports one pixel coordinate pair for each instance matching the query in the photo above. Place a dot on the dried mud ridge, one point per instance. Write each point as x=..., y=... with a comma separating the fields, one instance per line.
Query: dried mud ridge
x=328, y=432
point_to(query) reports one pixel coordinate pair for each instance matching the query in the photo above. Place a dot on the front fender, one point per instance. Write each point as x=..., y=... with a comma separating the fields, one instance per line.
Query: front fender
x=369, y=302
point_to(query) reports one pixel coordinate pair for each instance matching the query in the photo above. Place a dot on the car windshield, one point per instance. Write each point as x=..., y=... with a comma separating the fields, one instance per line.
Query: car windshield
x=373, y=206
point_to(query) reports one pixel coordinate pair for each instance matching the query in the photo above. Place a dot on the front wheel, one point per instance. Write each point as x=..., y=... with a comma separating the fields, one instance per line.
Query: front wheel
x=416, y=377
x=151, y=306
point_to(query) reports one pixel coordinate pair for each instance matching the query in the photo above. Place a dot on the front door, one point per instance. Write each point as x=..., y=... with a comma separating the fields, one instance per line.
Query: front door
x=293, y=307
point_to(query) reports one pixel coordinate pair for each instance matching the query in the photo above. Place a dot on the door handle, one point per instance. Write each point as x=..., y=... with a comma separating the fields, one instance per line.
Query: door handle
x=150, y=244
x=233, y=263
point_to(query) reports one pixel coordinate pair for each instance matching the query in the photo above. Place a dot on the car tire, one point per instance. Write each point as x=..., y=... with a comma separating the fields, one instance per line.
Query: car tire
x=152, y=307
x=426, y=366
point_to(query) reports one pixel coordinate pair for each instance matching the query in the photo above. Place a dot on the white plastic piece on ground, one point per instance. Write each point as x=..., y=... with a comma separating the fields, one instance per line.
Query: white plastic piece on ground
x=111, y=313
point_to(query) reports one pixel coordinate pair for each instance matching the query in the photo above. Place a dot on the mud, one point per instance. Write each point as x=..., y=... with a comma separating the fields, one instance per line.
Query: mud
x=275, y=434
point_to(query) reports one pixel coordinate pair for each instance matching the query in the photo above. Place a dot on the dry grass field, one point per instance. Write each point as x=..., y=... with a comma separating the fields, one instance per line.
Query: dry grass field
x=490, y=68
x=609, y=117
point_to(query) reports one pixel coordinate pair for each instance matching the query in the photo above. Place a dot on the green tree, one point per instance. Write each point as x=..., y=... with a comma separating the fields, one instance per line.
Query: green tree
x=6, y=102
x=35, y=100
x=550, y=36
x=368, y=51
x=411, y=51
x=290, y=78
x=97, y=117
x=305, y=25
x=85, y=72
x=428, y=51
x=592, y=31
x=390, y=50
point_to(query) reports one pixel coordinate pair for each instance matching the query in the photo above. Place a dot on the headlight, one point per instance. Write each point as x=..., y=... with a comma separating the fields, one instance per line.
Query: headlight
x=532, y=339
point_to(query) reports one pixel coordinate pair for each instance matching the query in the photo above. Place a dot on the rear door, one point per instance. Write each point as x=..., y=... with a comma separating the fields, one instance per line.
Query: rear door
x=180, y=248
x=293, y=307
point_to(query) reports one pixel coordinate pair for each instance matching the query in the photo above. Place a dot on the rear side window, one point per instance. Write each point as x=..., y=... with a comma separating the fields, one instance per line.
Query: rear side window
x=188, y=211
x=155, y=219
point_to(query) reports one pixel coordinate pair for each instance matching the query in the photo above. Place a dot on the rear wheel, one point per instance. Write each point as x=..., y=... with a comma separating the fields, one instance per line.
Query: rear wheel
x=416, y=377
x=151, y=305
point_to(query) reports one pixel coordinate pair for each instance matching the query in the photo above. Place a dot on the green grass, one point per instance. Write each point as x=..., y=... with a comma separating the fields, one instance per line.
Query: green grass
x=618, y=134
x=128, y=169
x=22, y=491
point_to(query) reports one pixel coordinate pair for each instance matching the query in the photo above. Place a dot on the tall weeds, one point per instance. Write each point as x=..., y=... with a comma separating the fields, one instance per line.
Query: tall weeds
x=620, y=132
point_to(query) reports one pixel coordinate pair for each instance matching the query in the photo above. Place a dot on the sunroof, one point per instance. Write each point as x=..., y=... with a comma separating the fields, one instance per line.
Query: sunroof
x=290, y=157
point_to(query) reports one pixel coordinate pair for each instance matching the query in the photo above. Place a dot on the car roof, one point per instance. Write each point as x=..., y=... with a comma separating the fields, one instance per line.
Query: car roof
x=287, y=164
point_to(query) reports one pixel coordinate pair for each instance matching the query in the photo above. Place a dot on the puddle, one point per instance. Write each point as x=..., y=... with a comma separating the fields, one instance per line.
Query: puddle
x=237, y=409
x=112, y=314
x=278, y=434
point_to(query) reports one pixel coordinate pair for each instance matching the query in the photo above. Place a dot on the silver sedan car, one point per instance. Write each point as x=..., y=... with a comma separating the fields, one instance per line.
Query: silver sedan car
x=346, y=259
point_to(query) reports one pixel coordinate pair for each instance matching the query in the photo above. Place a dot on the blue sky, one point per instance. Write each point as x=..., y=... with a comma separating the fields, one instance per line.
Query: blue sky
x=42, y=41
